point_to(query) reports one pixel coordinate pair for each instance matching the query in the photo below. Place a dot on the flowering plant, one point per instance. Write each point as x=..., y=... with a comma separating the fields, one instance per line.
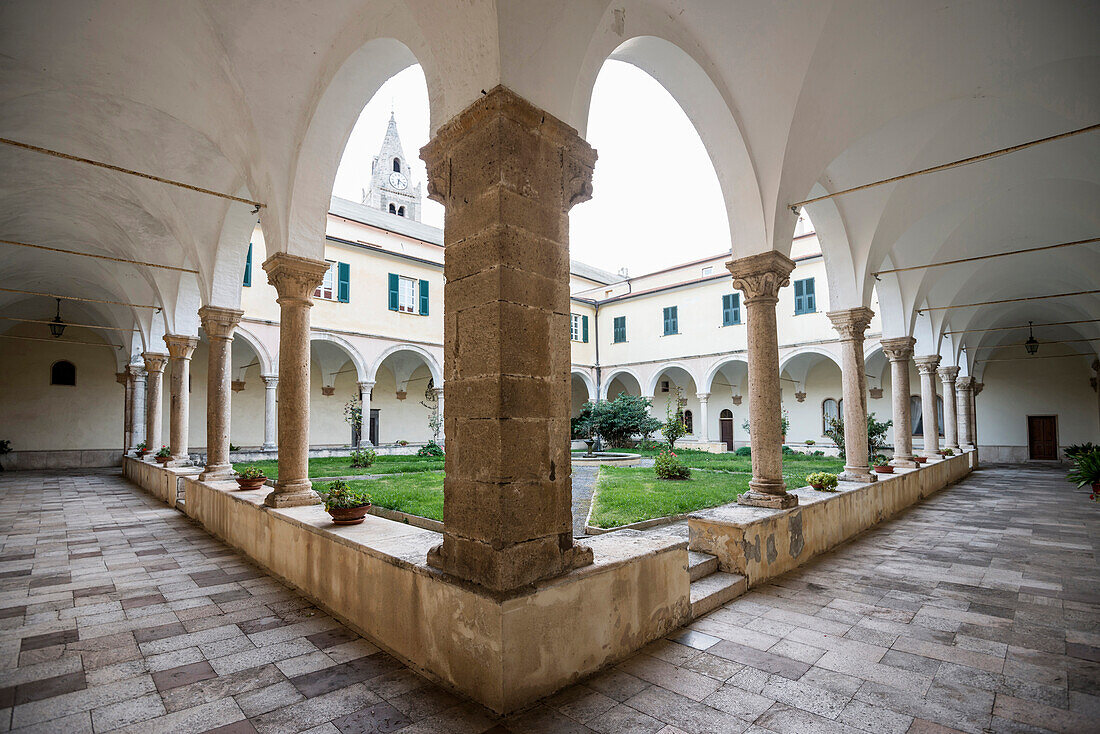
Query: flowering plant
x=668, y=466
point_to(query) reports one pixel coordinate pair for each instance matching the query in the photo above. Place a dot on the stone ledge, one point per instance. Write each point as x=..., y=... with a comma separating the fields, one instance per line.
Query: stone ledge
x=503, y=653
x=761, y=543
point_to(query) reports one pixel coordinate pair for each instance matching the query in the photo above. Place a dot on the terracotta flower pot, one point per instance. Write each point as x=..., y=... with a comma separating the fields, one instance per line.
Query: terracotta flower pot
x=920, y=459
x=818, y=487
x=250, y=483
x=163, y=459
x=349, y=515
x=884, y=469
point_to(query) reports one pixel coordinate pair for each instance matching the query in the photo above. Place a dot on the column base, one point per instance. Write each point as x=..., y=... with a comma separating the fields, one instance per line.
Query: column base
x=177, y=462
x=294, y=494
x=216, y=473
x=857, y=474
x=783, y=501
x=269, y=447
x=506, y=570
x=953, y=447
x=904, y=462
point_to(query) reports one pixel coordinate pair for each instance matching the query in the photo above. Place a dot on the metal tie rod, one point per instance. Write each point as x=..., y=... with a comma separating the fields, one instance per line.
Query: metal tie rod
x=78, y=298
x=100, y=257
x=1008, y=300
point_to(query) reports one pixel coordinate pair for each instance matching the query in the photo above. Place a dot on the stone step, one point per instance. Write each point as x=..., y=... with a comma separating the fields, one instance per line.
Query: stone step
x=701, y=564
x=712, y=591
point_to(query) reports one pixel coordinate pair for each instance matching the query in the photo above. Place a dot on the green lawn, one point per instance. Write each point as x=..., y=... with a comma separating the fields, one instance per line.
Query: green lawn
x=340, y=466
x=627, y=495
x=415, y=493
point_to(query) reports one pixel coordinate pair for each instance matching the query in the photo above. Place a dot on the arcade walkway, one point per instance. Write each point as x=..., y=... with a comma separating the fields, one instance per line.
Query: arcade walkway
x=979, y=610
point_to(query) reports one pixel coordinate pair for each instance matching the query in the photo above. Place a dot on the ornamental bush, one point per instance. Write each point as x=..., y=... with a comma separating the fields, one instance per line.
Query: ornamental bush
x=668, y=466
x=430, y=449
x=251, y=472
x=743, y=451
x=362, y=458
x=822, y=481
x=616, y=421
x=339, y=496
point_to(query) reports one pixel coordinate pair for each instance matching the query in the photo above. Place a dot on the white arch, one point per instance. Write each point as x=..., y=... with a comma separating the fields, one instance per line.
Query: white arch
x=589, y=383
x=429, y=360
x=267, y=365
x=651, y=384
x=353, y=353
x=615, y=373
x=708, y=381
x=802, y=351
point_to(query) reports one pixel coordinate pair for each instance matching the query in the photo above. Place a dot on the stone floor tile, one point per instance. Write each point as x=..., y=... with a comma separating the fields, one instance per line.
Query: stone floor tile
x=625, y=720
x=1048, y=717
x=874, y=719
x=805, y=696
x=784, y=719
x=183, y=675
x=381, y=718
x=116, y=715
x=739, y=702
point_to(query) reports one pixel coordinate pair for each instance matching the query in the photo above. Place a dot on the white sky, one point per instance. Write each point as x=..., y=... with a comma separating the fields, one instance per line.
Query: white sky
x=656, y=200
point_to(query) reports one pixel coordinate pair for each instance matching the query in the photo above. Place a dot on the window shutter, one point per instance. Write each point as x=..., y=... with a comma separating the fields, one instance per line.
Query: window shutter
x=343, y=282
x=727, y=309
x=675, y=325
x=809, y=295
x=584, y=329
x=393, y=291
x=799, y=305
x=666, y=331
x=248, y=267
x=735, y=301
x=423, y=298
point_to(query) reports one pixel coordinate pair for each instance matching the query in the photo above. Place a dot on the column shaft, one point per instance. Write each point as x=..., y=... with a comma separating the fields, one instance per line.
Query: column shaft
x=294, y=278
x=760, y=277
x=851, y=324
x=951, y=419
x=963, y=387
x=508, y=173
x=271, y=384
x=975, y=389
x=365, y=388
x=899, y=351
x=137, y=404
x=440, y=436
x=180, y=349
x=218, y=323
x=154, y=369
x=123, y=378
x=701, y=424
x=927, y=367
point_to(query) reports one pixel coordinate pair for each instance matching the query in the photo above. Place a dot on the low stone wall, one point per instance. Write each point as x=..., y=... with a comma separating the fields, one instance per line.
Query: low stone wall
x=62, y=459
x=502, y=652
x=159, y=481
x=760, y=544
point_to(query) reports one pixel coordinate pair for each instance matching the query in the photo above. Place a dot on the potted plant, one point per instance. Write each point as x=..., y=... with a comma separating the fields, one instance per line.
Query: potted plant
x=809, y=442
x=5, y=448
x=822, y=481
x=142, y=449
x=251, y=477
x=402, y=443
x=347, y=506
x=944, y=453
x=920, y=459
x=1086, y=471
x=882, y=465
x=164, y=455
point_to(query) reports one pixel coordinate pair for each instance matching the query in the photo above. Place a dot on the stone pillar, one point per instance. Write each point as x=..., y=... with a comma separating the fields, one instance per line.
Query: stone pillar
x=760, y=277
x=508, y=174
x=218, y=323
x=963, y=397
x=154, y=370
x=439, y=411
x=180, y=349
x=702, y=433
x=927, y=365
x=123, y=378
x=365, y=388
x=948, y=375
x=899, y=351
x=137, y=404
x=294, y=278
x=850, y=324
x=271, y=384
x=975, y=388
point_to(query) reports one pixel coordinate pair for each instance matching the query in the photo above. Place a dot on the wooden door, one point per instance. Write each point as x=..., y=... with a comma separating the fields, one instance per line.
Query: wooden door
x=1042, y=437
x=725, y=422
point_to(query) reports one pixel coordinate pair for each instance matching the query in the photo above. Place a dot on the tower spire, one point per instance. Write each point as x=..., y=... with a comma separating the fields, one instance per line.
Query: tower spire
x=390, y=188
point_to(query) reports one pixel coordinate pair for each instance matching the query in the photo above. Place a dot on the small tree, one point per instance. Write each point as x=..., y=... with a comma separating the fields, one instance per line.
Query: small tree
x=616, y=420
x=353, y=413
x=784, y=422
x=876, y=434
x=674, y=427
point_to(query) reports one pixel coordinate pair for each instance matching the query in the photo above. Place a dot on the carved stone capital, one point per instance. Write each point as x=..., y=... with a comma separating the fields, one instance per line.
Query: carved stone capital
x=964, y=384
x=850, y=323
x=271, y=381
x=948, y=375
x=154, y=361
x=295, y=278
x=927, y=364
x=534, y=153
x=898, y=349
x=218, y=322
x=180, y=347
x=761, y=276
x=137, y=371
x=702, y=397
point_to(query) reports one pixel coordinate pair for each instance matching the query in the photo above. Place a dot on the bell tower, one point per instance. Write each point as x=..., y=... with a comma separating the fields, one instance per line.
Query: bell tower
x=390, y=188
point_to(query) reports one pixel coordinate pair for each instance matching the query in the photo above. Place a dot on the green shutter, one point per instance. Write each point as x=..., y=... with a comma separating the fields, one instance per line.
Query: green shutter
x=620, y=329
x=393, y=291
x=808, y=290
x=423, y=298
x=799, y=301
x=727, y=309
x=584, y=329
x=675, y=321
x=248, y=267
x=343, y=282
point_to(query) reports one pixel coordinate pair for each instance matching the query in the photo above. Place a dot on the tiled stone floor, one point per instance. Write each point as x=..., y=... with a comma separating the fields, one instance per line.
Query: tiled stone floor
x=977, y=610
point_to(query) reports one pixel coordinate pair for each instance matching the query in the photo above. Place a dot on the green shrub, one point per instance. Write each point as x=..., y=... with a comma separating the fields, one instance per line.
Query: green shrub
x=164, y=452
x=617, y=420
x=668, y=466
x=876, y=433
x=1079, y=449
x=788, y=450
x=430, y=449
x=822, y=481
x=1086, y=469
x=362, y=458
x=743, y=451
x=251, y=472
x=339, y=496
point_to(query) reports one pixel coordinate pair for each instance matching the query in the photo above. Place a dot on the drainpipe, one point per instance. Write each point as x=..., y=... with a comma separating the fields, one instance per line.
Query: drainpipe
x=599, y=377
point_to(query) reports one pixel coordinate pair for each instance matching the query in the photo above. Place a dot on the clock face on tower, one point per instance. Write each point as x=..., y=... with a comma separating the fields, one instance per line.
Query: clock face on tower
x=398, y=181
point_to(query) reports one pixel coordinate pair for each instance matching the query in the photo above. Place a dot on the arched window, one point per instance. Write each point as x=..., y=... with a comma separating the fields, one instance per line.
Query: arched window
x=689, y=422
x=401, y=211
x=830, y=409
x=726, y=414
x=63, y=373
x=916, y=414
x=393, y=209
x=397, y=165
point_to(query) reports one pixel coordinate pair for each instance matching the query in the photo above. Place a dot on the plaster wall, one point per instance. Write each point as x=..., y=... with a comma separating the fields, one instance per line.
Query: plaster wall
x=402, y=420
